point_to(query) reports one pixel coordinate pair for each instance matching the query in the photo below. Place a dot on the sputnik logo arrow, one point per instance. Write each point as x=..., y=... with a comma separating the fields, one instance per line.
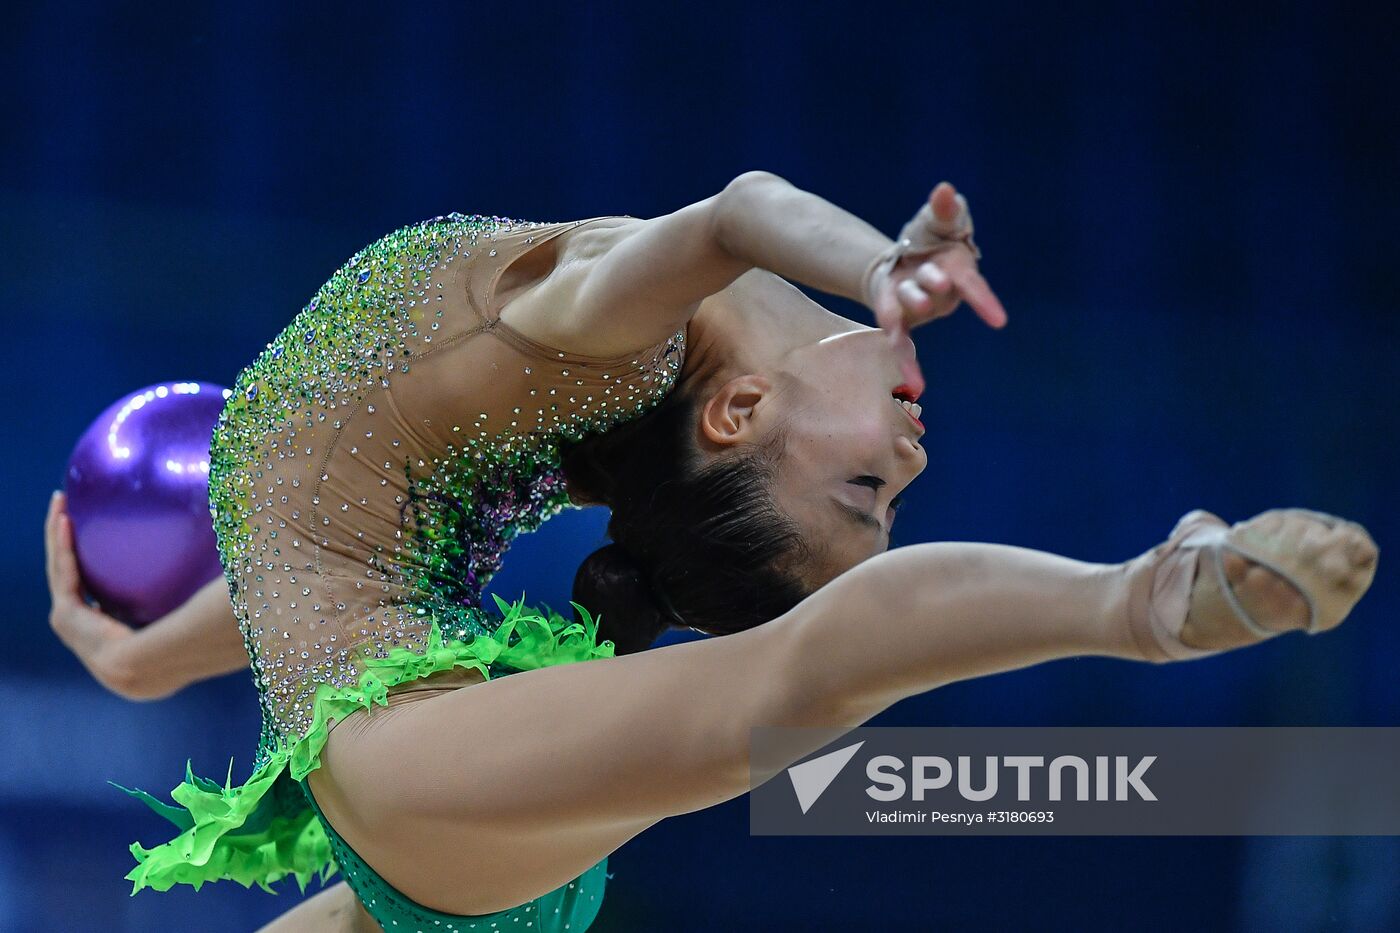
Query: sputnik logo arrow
x=811, y=778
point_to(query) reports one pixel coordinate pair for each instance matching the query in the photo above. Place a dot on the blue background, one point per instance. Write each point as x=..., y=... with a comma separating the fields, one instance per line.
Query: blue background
x=1188, y=209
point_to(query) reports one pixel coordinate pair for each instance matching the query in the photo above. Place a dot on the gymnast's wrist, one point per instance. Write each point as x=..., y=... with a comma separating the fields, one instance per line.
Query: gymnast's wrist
x=874, y=271
x=127, y=668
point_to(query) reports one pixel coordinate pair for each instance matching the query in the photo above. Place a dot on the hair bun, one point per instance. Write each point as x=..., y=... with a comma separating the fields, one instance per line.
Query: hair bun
x=587, y=481
x=611, y=585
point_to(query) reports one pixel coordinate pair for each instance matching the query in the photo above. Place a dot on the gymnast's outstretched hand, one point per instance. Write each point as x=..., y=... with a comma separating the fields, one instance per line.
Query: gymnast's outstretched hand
x=928, y=272
x=198, y=640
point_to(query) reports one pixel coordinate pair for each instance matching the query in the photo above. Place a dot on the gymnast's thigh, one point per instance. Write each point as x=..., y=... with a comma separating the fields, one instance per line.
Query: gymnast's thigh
x=398, y=785
x=484, y=797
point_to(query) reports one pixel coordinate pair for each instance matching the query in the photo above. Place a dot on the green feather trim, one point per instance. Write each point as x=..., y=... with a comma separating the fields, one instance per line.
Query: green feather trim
x=264, y=830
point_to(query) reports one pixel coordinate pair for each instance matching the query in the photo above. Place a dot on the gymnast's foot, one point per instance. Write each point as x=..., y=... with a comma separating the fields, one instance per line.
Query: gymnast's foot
x=1212, y=586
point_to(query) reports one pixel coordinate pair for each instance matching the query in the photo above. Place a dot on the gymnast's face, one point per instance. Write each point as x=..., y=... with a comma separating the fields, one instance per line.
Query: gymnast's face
x=851, y=446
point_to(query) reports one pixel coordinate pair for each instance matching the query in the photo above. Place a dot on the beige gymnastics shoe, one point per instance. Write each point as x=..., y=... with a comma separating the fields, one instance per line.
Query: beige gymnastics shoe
x=1212, y=587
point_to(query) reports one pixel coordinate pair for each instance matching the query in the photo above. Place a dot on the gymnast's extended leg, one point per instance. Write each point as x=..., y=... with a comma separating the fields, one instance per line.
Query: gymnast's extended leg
x=483, y=797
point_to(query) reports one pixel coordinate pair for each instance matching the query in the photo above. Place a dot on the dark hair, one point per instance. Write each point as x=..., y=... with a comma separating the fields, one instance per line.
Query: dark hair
x=699, y=546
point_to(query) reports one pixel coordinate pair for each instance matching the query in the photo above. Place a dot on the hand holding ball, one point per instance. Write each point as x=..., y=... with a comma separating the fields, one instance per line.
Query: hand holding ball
x=137, y=489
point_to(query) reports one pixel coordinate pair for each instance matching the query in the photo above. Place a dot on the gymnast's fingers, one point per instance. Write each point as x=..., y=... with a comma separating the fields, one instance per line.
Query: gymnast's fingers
x=948, y=207
x=978, y=293
x=960, y=266
x=933, y=279
x=946, y=217
x=917, y=303
x=61, y=566
x=889, y=313
x=50, y=538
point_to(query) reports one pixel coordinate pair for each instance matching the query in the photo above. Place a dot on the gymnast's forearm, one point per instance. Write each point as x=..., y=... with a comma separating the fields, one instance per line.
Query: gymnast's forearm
x=919, y=617
x=197, y=640
x=765, y=221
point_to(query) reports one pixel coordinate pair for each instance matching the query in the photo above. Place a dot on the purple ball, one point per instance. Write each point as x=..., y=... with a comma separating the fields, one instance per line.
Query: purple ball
x=138, y=498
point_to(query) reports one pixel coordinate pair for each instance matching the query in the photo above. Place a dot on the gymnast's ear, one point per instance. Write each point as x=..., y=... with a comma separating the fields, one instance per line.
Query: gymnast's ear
x=727, y=416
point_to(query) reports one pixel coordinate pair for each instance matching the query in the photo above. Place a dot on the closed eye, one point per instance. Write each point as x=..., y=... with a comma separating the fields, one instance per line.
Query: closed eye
x=875, y=482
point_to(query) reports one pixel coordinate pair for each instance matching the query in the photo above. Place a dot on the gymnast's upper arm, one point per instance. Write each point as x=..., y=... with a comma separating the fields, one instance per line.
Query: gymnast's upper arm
x=629, y=286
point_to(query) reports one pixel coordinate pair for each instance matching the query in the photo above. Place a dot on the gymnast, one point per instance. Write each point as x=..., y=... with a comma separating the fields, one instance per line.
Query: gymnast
x=471, y=766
